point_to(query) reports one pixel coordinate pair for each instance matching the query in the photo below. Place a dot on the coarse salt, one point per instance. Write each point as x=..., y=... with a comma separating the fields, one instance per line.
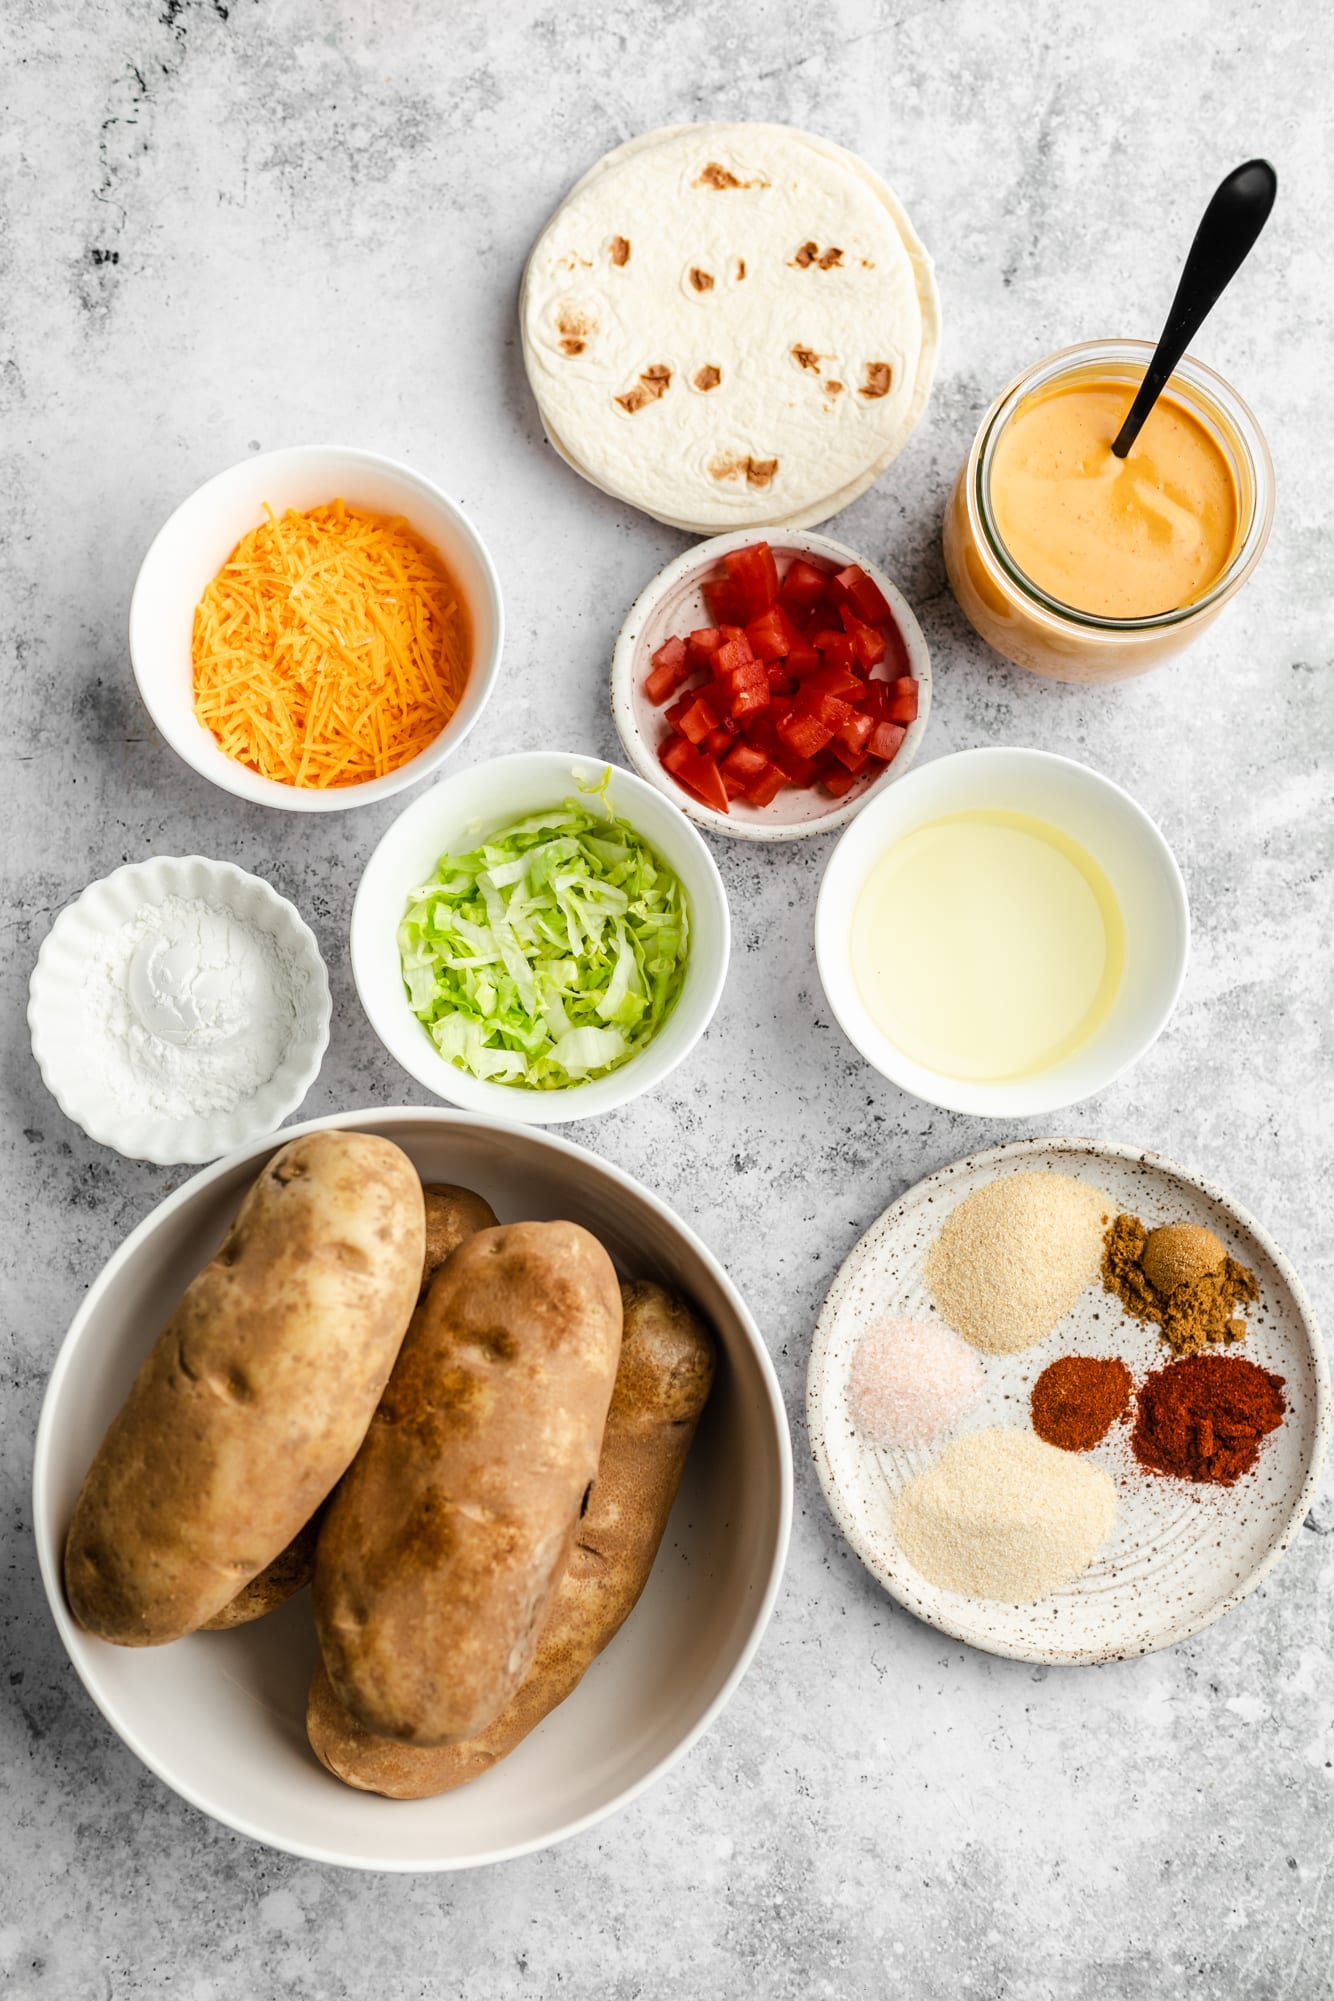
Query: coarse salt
x=911, y=1381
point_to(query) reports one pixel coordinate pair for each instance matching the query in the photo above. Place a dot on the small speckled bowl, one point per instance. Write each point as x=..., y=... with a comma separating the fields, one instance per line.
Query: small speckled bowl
x=58, y=1018
x=674, y=603
x=1180, y=1555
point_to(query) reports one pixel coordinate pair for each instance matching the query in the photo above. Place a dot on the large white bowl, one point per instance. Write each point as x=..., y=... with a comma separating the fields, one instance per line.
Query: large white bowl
x=221, y=1716
x=1114, y=830
x=189, y=550
x=453, y=815
x=674, y=603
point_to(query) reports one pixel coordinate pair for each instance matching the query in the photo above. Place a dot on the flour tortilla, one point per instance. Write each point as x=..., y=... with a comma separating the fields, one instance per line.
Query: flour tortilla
x=770, y=445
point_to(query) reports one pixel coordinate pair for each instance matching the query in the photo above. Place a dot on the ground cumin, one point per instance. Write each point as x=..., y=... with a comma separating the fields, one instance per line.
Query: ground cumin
x=1199, y=1313
x=1077, y=1400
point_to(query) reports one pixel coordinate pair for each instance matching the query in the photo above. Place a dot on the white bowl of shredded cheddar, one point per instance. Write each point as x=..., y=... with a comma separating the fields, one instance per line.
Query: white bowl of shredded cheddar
x=316, y=628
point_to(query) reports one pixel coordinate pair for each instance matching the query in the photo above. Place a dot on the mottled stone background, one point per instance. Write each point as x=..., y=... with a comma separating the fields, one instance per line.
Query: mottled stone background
x=235, y=226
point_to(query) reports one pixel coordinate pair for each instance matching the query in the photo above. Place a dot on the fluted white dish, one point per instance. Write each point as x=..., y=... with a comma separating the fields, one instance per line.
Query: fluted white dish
x=64, y=1044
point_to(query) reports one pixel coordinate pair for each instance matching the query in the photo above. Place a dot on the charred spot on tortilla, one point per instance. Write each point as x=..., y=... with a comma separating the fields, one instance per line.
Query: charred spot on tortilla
x=833, y=389
x=720, y=177
x=575, y=329
x=653, y=383
x=620, y=249
x=755, y=472
x=701, y=280
x=707, y=377
x=879, y=375
x=823, y=260
x=805, y=357
x=740, y=269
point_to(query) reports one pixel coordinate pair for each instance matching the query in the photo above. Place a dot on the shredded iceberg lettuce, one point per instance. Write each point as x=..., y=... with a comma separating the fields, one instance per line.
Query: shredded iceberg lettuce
x=550, y=954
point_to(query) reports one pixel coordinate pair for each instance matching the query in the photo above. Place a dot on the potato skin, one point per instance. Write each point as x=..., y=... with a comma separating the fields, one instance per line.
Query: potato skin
x=664, y=1378
x=452, y=1213
x=446, y=1540
x=291, y=1571
x=256, y=1394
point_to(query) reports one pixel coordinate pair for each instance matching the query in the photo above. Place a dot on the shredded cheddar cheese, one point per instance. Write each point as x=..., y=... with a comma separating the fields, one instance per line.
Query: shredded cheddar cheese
x=331, y=647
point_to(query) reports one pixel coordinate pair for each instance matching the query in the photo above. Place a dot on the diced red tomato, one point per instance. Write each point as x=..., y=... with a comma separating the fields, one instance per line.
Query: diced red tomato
x=699, y=720
x=806, y=734
x=671, y=653
x=804, y=585
x=772, y=634
x=749, y=700
x=884, y=741
x=868, y=639
x=753, y=575
x=861, y=593
x=698, y=774
x=803, y=659
x=836, y=681
x=856, y=731
x=837, y=649
x=744, y=762
x=671, y=666
x=896, y=652
x=725, y=606
x=796, y=769
x=733, y=653
x=762, y=791
x=801, y=682
x=902, y=707
x=854, y=761
x=827, y=709
x=702, y=645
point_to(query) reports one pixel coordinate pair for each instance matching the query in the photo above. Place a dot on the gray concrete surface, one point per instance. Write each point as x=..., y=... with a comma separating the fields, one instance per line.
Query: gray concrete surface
x=230, y=227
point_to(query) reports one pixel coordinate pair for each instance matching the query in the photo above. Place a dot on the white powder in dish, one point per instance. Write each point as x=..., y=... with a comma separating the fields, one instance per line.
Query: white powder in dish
x=911, y=1381
x=190, y=1009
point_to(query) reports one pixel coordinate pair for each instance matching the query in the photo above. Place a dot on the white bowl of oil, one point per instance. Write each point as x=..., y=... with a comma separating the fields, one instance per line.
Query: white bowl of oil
x=1003, y=933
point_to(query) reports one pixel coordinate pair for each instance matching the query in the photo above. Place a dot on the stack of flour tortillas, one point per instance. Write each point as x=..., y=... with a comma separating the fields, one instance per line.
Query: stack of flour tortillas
x=730, y=326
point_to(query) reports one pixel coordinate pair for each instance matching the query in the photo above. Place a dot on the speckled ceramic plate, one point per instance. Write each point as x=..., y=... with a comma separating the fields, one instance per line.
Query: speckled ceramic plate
x=1180, y=1555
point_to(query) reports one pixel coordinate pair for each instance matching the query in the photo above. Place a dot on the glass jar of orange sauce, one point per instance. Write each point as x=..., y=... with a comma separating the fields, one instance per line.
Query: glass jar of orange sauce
x=1085, y=567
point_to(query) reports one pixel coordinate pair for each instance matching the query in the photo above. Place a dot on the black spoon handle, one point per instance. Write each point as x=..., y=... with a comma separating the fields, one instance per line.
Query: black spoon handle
x=1234, y=218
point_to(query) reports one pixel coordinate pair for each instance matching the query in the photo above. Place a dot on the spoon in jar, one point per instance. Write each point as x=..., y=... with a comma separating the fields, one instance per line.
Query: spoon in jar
x=1234, y=218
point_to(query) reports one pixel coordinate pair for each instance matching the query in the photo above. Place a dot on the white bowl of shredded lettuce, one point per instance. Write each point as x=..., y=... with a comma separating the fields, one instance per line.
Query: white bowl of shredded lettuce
x=543, y=937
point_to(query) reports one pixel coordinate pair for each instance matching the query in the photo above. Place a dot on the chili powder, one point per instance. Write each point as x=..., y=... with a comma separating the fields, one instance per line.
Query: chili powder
x=1203, y=1419
x=1078, y=1399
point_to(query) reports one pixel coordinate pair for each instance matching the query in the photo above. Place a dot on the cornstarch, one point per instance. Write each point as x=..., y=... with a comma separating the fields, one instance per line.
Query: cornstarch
x=190, y=1008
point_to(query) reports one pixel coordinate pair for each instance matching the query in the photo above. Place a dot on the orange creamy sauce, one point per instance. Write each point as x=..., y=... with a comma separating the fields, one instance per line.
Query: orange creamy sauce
x=1120, y=538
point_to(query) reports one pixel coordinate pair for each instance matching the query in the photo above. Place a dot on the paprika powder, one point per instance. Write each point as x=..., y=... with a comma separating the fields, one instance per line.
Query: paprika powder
x=1203, y=1419
x=1077, y=1400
